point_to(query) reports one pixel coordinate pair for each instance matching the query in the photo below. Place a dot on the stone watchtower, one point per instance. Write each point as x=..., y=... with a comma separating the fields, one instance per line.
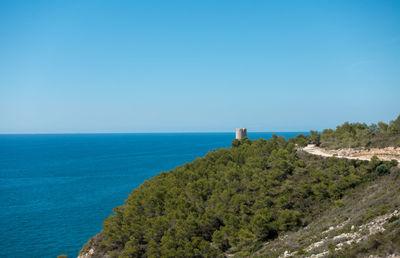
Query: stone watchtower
x=241, y=133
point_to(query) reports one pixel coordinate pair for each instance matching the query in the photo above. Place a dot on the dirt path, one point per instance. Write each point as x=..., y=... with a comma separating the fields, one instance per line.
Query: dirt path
x=388, y=153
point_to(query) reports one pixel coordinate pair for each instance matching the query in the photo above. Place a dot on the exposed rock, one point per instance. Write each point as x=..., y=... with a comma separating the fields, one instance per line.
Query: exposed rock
x=88, y=254
x=373, y=227
x=92, y=248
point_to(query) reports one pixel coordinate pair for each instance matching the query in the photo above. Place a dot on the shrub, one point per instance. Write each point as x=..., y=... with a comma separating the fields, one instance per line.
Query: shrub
x=382, y=169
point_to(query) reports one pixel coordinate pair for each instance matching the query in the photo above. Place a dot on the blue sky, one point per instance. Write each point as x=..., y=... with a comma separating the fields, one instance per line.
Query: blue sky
x=200, y=66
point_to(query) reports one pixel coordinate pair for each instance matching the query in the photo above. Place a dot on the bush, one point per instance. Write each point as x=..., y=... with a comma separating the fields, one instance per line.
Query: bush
x=382, y=169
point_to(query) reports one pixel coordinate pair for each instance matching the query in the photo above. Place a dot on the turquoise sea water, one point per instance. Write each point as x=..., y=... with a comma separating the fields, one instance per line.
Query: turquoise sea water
x=55, y=190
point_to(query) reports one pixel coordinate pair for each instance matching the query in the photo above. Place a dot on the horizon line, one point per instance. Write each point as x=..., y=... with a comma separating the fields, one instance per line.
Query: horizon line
x=174, y=132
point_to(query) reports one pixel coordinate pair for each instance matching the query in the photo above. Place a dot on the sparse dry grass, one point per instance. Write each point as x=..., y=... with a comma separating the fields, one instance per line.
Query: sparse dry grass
x=361, y=205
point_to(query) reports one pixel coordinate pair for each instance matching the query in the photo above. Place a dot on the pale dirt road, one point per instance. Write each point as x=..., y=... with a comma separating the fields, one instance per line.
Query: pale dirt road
x=388, y=153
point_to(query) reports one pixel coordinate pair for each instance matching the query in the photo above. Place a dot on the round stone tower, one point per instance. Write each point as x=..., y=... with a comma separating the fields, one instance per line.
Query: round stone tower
x=241, y=133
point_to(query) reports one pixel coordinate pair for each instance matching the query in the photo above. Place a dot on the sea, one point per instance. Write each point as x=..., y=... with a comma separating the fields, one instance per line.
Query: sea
x=56, y=189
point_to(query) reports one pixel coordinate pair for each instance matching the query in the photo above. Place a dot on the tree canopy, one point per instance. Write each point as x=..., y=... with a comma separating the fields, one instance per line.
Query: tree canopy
x=352, y=135
x=232, y=199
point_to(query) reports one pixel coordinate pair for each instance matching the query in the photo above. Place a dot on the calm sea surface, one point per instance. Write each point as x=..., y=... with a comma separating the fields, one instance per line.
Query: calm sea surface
x=55, y=190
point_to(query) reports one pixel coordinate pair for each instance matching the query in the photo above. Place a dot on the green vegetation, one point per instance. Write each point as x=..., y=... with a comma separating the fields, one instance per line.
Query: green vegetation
x=232, y=200
x=351, y=135
x=359, y=207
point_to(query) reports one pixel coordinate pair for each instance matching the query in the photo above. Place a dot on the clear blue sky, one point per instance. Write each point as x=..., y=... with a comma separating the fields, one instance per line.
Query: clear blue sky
x=179, y=66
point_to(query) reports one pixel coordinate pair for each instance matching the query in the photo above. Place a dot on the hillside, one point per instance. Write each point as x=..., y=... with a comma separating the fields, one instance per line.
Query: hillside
x=365, y=222
x=261, y=197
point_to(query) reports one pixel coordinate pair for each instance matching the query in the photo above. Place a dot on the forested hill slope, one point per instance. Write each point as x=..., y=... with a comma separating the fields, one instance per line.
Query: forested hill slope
x=231, y=201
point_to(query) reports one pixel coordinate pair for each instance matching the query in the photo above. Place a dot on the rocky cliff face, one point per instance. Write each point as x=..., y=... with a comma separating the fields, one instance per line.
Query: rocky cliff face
x=87, y=254
x=92, y=248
